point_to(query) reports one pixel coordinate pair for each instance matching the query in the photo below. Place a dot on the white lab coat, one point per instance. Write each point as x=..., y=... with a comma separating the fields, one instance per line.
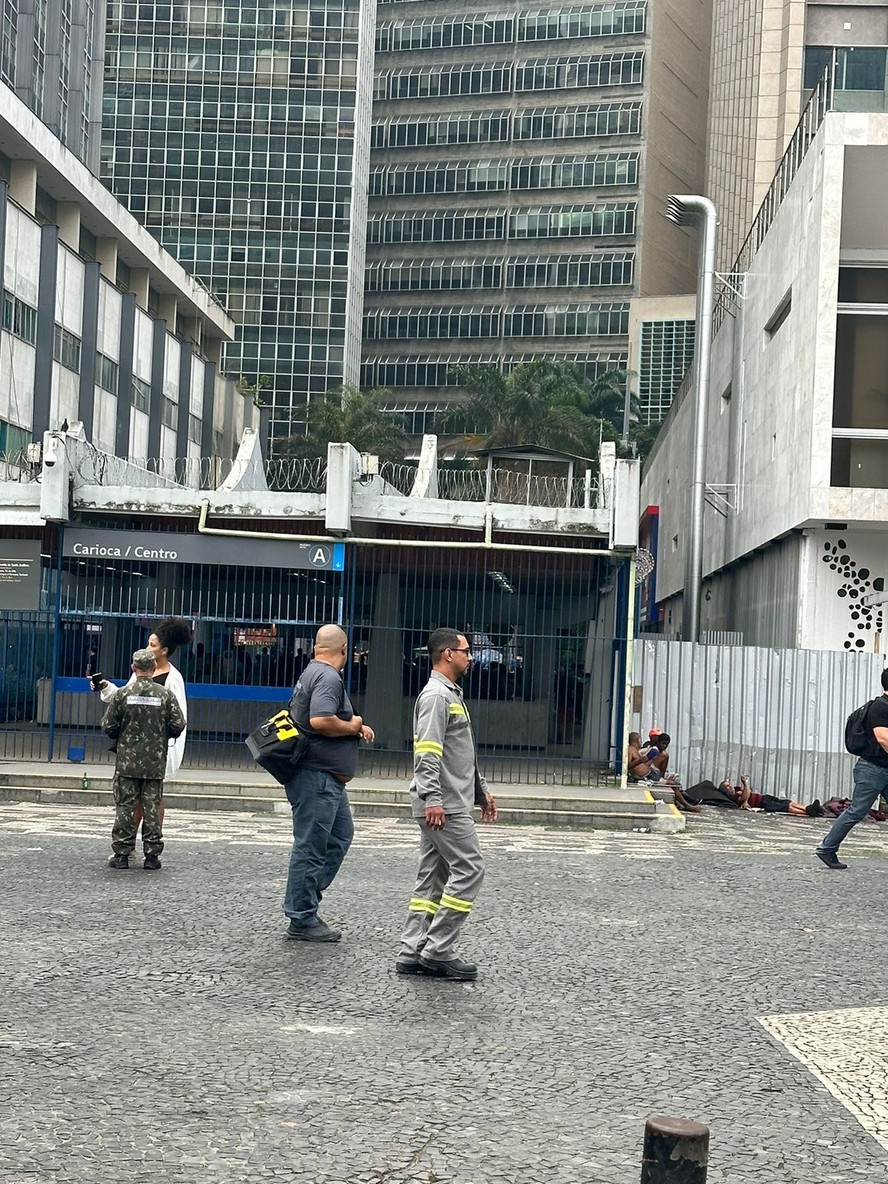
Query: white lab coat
x=176, y=684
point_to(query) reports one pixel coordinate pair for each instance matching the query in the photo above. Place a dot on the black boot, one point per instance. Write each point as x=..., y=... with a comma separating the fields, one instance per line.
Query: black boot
x=120, y=863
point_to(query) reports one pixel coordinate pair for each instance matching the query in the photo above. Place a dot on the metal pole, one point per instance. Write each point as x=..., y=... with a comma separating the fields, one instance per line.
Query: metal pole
x=676, y=1151
x=627, y=671
x=692, y=209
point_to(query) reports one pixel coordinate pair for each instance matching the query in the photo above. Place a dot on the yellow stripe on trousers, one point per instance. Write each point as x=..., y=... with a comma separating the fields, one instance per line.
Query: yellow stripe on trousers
x=453, y=902
x=418, y=905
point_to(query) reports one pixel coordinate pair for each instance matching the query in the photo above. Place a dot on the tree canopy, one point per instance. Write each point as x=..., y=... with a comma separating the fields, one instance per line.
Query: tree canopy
x=350, y=415
x=544, y=402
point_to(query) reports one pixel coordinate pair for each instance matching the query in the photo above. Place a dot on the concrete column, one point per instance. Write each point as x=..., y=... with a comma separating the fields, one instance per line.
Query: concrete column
x=90, y=328
x=167, y=307
x=125, y=374
x=46, y=298
x=213, y=350
x=191, y=330
x=23, y=184
x=68, y=214
x=139, y=286
x=207, y=409
x=106, y=257
x=185, y=359
x=155, y=411
x=385, y=693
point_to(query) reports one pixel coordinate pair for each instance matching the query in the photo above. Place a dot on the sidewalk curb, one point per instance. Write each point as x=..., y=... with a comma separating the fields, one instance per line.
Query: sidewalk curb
x=667, y=822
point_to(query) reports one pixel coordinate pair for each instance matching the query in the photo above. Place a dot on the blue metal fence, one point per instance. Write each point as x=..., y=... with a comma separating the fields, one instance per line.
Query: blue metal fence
x=540, y=627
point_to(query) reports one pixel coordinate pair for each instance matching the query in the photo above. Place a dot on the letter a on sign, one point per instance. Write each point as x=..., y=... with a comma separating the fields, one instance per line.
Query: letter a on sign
x=320, y=556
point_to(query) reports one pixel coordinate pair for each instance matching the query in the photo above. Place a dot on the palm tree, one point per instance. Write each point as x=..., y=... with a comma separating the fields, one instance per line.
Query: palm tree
x=548, y=403
x=349, y=415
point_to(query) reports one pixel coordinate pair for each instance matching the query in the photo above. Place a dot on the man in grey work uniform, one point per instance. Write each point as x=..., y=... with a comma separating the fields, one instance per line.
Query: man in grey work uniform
x=142, y=718
x=322, y=821
x=446, y=785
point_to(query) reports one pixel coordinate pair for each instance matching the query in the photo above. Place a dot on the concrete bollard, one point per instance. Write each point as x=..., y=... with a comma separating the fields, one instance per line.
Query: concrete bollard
x=676, y=1151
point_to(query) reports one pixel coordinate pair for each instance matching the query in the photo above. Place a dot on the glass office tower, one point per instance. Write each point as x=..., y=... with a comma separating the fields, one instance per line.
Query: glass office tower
x=51, y=55
x=238, y=132
x=521, y=159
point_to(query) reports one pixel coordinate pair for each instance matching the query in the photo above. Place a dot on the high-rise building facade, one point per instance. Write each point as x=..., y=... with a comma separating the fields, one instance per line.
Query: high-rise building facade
x=767, y=56
x=237, y=131
x=51, y=55
x=520, y=166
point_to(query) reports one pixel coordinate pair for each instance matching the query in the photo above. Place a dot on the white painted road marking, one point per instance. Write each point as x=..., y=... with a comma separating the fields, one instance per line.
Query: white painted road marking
x=847, y=1050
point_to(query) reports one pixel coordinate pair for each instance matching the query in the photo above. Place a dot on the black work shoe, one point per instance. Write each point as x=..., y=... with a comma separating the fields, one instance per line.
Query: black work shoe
x=408, y=965
x=151, y=864
x=464, y=972
x=320, y=931
x=120, y=863
x=831, y=860
x=815, y=809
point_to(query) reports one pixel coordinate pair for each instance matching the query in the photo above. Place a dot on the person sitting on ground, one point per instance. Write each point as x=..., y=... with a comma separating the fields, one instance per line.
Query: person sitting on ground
x=744, y=797
x=658, y=761
x=637, y=765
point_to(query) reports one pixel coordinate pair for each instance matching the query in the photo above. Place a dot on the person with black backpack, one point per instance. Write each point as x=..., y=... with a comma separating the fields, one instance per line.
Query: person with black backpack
x=866, y=736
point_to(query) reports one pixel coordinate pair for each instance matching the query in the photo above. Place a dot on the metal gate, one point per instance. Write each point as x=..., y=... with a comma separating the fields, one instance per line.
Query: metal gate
x=547, y=655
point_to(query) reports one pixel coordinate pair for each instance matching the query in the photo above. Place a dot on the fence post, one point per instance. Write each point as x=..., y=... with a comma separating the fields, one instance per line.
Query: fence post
x=676, y=1151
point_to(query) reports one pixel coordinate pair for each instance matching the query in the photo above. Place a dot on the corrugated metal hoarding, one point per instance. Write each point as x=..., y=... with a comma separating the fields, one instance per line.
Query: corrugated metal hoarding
x=777, y=715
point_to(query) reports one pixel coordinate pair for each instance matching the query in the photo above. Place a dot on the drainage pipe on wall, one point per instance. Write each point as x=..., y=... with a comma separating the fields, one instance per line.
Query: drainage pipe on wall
x=697, y=211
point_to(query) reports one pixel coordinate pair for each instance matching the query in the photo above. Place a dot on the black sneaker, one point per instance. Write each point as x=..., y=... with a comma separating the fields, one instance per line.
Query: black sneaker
x=151, y=864
x=831, y=860
x=120, y=863
x=409, y=965
x=320, y=931
x=464, y=972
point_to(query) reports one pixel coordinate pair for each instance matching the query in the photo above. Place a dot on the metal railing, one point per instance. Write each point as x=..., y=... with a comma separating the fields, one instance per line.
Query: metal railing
x=91, y=466
x=501, y=485
x=15, y=466
x=821, y=102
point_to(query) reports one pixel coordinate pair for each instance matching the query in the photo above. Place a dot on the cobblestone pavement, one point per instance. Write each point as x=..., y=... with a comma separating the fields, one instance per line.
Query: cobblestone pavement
x=161, y=1027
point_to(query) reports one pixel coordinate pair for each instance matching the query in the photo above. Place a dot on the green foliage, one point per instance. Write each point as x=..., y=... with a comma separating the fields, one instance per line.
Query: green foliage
x=545, y=403
x=642, y=437
x=349, y=415
x=253, y=390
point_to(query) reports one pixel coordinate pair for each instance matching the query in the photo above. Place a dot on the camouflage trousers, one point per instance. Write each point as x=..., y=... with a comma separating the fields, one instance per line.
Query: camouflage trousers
x=131, y=793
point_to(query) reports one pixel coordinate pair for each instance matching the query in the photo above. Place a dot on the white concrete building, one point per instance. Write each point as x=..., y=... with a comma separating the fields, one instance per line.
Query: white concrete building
x=796, y=523
x=99, y=324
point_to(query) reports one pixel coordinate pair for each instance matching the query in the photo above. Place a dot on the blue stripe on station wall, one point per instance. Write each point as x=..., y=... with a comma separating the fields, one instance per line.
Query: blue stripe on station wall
x=199, y=690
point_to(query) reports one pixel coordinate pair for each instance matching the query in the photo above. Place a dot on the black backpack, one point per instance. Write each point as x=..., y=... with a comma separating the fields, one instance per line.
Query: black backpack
x=859, y=738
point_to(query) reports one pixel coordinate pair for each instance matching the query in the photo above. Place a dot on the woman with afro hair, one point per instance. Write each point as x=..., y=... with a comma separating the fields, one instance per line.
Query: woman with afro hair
x=168, y=635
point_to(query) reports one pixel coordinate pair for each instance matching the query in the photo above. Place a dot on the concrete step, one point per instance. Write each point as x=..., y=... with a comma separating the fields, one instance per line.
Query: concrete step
x=584, y=814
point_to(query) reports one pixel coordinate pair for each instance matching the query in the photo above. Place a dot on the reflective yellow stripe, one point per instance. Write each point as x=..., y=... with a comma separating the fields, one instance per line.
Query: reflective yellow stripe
x=418, y=905
x=453, y=902
x=457, y=709
x=429, y=746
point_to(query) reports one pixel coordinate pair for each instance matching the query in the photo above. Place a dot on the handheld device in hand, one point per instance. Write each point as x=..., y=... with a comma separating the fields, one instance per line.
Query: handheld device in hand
x=96, y=680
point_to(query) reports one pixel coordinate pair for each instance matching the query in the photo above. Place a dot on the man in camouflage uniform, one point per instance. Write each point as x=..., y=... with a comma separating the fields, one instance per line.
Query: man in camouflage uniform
x=142, y=718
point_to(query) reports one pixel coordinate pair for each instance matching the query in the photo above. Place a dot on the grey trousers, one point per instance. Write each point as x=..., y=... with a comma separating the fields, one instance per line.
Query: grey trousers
x=451, y=869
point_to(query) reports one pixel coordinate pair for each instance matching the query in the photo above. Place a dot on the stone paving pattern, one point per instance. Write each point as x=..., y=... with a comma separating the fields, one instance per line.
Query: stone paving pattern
x=161, y=1026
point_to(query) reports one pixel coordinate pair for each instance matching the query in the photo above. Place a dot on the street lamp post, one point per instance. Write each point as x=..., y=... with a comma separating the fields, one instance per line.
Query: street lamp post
x=699, y=212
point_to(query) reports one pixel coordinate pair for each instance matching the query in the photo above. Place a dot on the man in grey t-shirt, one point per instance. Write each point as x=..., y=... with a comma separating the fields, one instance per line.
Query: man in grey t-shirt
x=322, y=821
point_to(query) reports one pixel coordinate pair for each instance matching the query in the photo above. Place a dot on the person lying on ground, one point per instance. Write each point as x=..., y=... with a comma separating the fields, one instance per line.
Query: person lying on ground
x=744, y=797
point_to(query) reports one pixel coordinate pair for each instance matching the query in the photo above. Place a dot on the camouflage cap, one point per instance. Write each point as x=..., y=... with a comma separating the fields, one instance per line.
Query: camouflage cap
x=144, y=660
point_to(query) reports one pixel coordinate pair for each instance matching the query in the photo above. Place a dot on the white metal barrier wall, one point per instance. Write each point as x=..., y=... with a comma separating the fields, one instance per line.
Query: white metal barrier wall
x=778, y=715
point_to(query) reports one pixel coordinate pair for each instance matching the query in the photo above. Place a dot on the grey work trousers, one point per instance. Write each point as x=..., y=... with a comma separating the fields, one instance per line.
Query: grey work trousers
x=451, y=869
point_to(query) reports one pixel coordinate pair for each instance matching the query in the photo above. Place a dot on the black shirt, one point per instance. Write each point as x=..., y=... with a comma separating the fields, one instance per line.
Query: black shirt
x=877, y=717
x=320, y=692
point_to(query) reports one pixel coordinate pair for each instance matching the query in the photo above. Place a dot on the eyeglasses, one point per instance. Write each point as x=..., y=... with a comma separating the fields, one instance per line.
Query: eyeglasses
x=460, y=649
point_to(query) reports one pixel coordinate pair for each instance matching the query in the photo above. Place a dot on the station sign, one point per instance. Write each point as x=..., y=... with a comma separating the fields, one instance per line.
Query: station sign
x=149, y=546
